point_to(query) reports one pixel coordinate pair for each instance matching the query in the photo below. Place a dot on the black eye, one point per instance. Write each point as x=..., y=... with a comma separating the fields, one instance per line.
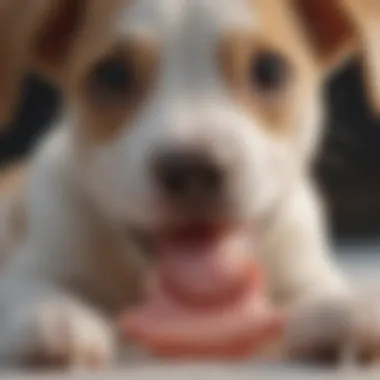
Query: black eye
x=268, y=71
x=113, y=79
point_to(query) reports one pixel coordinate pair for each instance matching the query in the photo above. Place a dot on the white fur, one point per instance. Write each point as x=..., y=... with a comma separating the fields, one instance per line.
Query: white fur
x=52, y=281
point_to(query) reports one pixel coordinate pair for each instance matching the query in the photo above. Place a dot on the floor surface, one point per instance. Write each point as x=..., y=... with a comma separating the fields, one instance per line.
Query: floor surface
x=360, y=261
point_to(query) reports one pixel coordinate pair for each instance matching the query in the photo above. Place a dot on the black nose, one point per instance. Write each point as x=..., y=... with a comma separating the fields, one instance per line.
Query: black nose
x=188, y=175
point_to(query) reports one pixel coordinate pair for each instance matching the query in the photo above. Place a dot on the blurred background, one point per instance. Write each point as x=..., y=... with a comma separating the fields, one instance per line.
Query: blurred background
x=347, y=169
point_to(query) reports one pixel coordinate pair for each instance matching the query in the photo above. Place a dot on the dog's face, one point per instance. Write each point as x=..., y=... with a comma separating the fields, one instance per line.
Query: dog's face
x=186, y=110
x=194, y=109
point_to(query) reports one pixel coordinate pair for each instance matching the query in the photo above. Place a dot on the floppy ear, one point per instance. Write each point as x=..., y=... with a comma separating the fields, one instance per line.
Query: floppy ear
x=35, y=35
x=17, y=21
x=60, y=22
x=328, y=30
x=337, y=29
x=366, y=15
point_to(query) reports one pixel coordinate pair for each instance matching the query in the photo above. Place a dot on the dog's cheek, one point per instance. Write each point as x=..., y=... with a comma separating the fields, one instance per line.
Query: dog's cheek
x=101, y=174
x=281, y=167
x=282, y=171
x=118, y=175
x=308, y=123
x=262, y=175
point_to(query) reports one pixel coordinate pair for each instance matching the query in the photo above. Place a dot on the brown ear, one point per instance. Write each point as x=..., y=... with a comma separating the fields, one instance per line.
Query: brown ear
x=366, y=15
x=17, y=21
x=35, y=35
x=328, y=29
x=59, y=24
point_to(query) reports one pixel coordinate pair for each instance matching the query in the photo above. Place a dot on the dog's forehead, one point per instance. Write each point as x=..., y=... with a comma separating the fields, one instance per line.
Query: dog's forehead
x=165, y=17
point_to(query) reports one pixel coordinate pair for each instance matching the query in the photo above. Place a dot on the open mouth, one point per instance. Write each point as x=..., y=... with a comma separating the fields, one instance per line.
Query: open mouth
x=204, y=297
x=202, y=263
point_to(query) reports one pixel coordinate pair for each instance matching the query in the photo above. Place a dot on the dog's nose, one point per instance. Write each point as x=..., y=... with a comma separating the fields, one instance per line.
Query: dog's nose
x=188, y=175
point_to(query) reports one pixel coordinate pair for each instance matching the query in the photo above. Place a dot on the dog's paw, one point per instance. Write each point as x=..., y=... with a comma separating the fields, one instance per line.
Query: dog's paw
x=363, y=341
x=65, y=335
x=336, y=332
x=317, y=331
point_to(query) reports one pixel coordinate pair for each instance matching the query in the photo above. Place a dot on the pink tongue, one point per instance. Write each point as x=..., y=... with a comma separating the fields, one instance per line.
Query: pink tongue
x=205, y=267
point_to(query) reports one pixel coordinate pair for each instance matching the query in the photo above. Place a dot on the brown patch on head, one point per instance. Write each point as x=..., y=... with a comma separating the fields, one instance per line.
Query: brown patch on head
x=301, y=41
x=109, y=80
x=103, y=73
x=113, y=88
x=269, y=70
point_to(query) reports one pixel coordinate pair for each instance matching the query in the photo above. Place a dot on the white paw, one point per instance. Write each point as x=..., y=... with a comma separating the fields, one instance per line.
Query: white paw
x=344, y=333
x=316, y=332
x=63, y=334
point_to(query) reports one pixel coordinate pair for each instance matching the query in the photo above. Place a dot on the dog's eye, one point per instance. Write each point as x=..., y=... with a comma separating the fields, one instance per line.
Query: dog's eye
x=113, y=79
x=268, y=71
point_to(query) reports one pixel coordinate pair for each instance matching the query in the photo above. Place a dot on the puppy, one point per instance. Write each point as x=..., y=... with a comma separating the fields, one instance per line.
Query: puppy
x=175, y=111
